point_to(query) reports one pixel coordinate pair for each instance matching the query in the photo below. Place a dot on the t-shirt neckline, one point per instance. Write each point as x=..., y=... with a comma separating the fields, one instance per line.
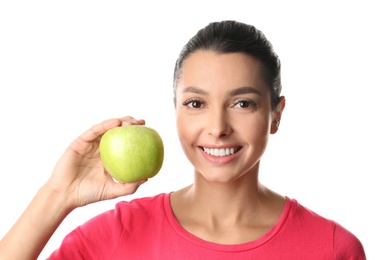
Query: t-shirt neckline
x=222, y=247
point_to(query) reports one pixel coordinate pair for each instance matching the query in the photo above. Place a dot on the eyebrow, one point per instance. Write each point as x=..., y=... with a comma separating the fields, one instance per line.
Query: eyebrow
x=244, y=90
x=194, y=90
x=234, y=92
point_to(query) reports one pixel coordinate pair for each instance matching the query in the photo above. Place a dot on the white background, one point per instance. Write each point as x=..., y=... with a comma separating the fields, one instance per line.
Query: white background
x=65, y=65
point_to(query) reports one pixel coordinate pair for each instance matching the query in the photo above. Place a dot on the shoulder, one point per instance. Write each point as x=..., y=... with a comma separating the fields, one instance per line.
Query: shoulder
x=299, y=215
x=128, y=210
x=100, y=236
x=143, y=203
x=344, y=243
x=347, y=245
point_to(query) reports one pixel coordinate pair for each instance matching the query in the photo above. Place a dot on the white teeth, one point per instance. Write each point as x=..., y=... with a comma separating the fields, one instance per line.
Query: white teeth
x=220, y=152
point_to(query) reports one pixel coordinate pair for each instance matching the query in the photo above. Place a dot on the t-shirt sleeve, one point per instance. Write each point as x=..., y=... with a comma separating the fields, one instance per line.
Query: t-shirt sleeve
x=95, y=239
x=347, y=246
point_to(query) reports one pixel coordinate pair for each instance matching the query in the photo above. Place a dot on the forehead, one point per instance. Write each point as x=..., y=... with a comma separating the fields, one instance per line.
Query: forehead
x=208, y=68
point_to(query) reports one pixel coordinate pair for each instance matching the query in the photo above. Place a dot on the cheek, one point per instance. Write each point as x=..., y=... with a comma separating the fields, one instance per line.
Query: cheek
x=257, y=131
x=186, y=130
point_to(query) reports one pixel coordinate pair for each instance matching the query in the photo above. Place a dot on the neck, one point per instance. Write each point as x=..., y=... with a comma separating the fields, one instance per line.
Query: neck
x=227, y=212
x=228, y=201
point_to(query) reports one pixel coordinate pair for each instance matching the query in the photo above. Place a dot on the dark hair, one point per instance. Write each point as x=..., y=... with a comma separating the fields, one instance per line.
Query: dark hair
x=232, y=36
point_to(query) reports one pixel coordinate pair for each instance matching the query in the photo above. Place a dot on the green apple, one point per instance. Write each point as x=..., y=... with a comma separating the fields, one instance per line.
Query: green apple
x=131, y=153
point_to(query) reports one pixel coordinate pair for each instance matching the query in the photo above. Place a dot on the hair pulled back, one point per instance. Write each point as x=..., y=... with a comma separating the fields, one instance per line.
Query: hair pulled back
x=231, y=37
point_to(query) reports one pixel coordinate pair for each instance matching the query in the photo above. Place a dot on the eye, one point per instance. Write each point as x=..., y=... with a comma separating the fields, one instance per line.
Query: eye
x=244, y=104
x=193, y=103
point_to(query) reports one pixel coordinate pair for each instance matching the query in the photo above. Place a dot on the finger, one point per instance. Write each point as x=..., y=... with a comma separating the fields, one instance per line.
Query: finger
x=119, y=189
x=131, y=121
x=97, y=130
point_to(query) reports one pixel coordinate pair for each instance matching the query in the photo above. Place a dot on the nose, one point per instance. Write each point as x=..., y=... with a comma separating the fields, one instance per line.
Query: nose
x=218, y=123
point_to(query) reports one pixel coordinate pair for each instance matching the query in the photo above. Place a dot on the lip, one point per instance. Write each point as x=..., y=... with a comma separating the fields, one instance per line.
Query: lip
x=223, y=159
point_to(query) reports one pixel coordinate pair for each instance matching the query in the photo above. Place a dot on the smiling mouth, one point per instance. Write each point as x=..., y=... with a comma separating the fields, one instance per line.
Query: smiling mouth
x=220, y=152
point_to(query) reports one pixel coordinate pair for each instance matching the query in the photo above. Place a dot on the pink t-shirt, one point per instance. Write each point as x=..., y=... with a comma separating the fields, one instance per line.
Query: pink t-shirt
x=146, y=228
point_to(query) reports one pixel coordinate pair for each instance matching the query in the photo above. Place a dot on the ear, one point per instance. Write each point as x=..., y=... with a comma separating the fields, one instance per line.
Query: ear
x=277, y=115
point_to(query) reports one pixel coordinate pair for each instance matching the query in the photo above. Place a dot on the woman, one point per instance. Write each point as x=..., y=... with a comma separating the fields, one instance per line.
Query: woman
x=227, y=98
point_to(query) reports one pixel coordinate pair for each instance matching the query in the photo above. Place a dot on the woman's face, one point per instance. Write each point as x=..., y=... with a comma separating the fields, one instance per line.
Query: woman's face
x=223, y=114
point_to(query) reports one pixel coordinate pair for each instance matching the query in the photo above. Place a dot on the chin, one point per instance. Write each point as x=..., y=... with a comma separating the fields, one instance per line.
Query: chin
x=218, y=176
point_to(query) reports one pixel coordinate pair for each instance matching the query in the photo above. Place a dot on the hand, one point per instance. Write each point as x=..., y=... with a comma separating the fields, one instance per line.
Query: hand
x=79, y=173
x=78, y=179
